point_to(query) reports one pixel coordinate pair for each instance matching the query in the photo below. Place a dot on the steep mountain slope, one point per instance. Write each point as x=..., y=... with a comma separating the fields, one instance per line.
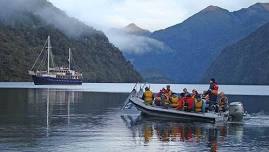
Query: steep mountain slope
x=24, y=27
x=245, y=62
x=199, y=39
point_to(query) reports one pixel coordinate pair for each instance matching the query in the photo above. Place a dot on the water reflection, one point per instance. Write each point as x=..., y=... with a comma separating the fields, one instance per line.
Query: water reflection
x=238, y=131
x=56, y=97
x=57, y=102
x=207, y=136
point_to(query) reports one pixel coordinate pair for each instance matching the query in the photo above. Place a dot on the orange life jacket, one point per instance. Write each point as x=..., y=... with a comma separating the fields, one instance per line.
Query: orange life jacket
x=180, y=104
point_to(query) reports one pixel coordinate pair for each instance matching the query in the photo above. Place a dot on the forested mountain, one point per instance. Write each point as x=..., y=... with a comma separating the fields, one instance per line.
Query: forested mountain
x=24, y=27
x=245, y=62
x=195, y=43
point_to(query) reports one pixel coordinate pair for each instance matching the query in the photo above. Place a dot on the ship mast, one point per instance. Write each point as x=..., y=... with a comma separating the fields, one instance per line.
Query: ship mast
x=69, y=59
x=49, y=48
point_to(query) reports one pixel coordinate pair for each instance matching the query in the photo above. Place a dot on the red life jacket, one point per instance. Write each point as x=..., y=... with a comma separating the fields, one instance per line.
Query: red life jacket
x=215, y=89
x=190, y=102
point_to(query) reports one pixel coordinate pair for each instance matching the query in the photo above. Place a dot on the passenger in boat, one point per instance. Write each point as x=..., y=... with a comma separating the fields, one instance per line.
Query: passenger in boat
x=158, y=97
x=165, y=102
x=168, y=91
x=213, y=94
x=222, y=102
x=174, y=101
x=148, y=96
x=185, y=92
x=194, y=94
x=198, y=104
x=167, y=96
x=189, y=103
x=180, y=101
x=205, y=104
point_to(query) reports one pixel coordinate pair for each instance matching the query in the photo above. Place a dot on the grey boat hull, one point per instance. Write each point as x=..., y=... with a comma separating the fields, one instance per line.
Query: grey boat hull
x=157, y=111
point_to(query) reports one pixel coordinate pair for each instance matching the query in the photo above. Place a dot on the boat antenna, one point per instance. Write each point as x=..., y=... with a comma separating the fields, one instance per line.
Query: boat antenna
x=49, y=48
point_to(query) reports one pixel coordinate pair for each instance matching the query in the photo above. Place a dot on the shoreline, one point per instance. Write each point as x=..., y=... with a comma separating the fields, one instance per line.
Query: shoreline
x=260, y=90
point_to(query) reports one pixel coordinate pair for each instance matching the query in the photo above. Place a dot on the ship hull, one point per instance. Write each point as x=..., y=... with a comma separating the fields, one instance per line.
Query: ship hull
x=55, y=81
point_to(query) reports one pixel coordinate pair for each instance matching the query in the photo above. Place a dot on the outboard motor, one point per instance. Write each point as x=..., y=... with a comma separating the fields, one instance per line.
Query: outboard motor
x=236, y=111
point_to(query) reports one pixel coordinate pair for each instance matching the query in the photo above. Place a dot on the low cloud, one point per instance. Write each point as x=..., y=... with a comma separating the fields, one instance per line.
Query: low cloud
x=135, y=44
x=12, y=11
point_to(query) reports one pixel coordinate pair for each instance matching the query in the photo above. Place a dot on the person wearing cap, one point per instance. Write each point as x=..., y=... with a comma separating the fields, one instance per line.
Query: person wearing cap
x=148, y=96
x=185, y=92
x=213, y=93
x=194, y=94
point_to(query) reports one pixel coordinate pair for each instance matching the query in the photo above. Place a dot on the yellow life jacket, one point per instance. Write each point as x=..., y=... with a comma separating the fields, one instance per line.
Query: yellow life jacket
x=174, y=101
x=148, y=97
x=198, y=105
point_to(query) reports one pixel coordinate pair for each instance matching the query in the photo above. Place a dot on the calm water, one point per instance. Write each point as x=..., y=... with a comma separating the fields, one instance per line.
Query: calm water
x=66, y=120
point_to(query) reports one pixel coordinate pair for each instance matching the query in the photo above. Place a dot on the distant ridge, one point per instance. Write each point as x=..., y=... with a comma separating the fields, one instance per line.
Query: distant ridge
x=134, y=29
x=214, y=9
x=245, y=62
x=264, y=6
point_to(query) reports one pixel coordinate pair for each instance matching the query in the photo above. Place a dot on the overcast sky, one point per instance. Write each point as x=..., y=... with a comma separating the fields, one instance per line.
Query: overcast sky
x=148, y=14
